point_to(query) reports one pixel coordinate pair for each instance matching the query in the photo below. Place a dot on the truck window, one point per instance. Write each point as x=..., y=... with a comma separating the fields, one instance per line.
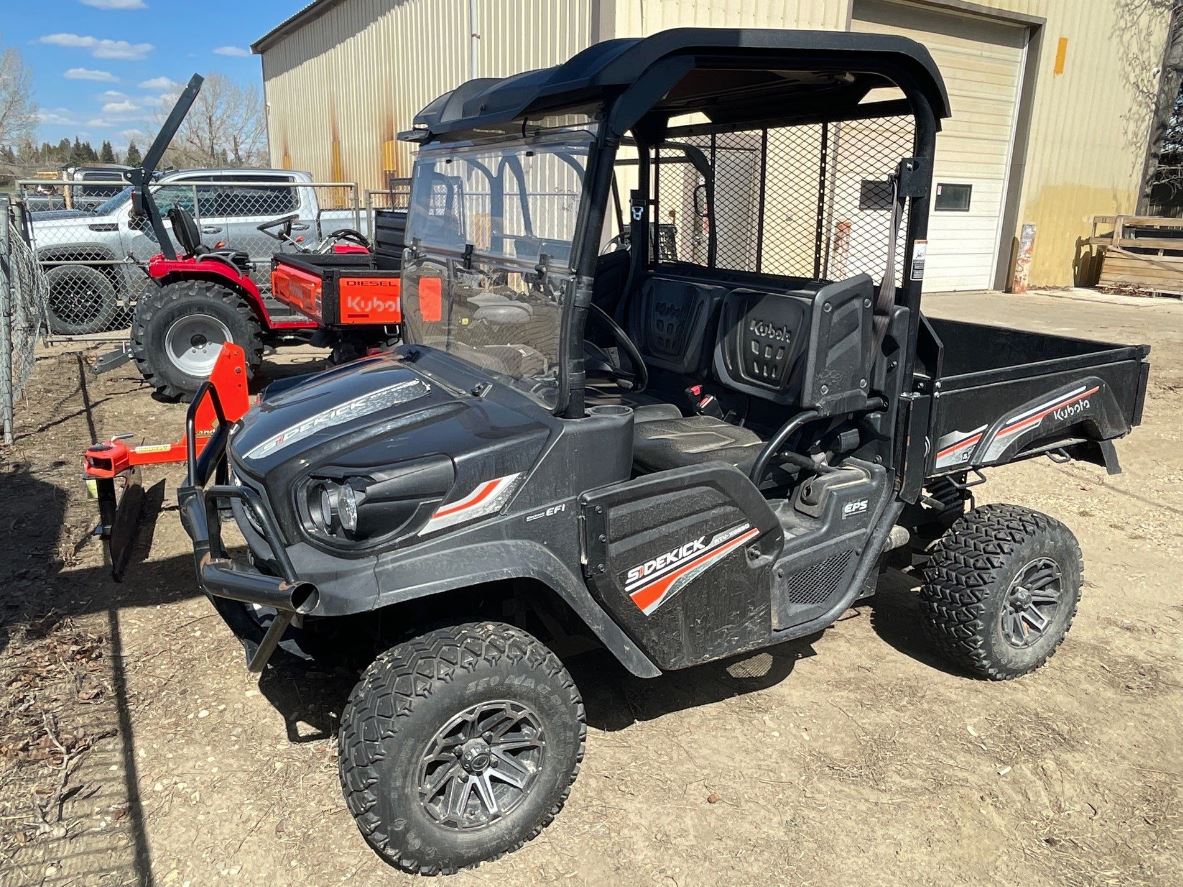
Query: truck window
x=233, y=200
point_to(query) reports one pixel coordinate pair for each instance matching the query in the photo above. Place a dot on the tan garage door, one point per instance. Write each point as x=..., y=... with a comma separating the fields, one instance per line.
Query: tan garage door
x=981, y=61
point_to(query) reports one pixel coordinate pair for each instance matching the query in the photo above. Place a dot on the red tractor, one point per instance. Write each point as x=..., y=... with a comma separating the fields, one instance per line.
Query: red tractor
x=206, y=297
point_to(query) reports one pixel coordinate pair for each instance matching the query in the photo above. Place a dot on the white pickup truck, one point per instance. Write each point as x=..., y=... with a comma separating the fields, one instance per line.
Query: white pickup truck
x=93, y=258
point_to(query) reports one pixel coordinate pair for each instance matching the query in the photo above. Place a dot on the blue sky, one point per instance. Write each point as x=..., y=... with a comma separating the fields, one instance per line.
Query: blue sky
x=100, y=67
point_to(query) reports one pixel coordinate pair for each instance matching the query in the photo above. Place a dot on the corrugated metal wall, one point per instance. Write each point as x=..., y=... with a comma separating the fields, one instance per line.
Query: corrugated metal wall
x=340, y=87
x=641, y=17
x=1089, y=124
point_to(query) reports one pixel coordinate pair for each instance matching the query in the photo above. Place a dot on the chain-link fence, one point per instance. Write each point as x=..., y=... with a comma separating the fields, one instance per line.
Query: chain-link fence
x=811, y=201
x=397, y=196
x=23, y=318
x=95, y=260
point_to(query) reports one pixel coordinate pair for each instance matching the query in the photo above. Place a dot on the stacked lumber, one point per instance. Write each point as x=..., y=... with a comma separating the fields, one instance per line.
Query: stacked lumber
x=1142, y=253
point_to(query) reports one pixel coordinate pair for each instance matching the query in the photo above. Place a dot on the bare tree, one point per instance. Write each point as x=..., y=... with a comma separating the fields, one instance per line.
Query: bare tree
x=225, y=127
x=1162, y=177
x=18, y=113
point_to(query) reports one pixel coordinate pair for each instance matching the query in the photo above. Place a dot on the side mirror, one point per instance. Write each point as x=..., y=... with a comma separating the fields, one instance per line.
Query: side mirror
x=137, y=205
x=702, y=207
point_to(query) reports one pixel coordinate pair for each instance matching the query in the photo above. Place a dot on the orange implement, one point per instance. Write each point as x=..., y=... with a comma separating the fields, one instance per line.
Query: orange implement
x=107, y=460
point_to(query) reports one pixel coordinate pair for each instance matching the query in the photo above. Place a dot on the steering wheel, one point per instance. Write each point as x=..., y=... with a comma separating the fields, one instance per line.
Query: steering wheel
x=285, y=221
x=348, y=234
x=635, y=381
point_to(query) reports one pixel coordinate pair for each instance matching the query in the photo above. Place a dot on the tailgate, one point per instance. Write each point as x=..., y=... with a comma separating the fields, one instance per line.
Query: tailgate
x=1020, y=394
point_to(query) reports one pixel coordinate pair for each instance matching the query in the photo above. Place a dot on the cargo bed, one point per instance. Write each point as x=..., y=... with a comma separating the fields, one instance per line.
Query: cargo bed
x=1002, y=394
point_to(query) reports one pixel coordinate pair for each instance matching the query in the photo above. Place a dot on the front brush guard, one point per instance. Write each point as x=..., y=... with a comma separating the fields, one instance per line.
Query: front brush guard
x=201, y=516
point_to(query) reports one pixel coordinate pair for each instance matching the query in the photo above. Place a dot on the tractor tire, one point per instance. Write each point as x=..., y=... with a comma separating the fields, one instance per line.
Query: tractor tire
x=177, y=331
x=1000, y=590
x=460, y=745
x=82, y=300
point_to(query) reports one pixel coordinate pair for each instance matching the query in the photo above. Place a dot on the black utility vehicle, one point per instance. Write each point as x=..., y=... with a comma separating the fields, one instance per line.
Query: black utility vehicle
x=666, y=385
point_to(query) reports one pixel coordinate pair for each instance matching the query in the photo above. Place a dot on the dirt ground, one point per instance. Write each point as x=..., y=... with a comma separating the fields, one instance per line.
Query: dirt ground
x=136, y=749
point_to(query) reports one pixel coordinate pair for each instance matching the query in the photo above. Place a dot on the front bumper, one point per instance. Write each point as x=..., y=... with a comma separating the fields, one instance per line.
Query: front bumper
x=203, y=507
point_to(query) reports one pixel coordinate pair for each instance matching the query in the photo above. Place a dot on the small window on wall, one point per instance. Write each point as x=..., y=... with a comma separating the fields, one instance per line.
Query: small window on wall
x=874, y=194
x=952, y=198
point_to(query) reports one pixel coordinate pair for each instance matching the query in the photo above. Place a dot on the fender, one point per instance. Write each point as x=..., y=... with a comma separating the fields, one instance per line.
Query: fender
x=493, y=561
x=165, y=271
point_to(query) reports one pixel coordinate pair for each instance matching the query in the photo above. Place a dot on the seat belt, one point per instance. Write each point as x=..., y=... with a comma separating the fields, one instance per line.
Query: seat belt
x=885, y=300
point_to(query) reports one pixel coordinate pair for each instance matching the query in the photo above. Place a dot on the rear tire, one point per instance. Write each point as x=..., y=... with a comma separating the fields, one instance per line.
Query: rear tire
x=417, y=782
x=177, y=330
x=1000, y=590
x=82, y=300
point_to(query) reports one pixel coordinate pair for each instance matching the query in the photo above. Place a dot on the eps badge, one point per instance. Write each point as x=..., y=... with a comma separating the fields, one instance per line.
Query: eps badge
x=850, y=509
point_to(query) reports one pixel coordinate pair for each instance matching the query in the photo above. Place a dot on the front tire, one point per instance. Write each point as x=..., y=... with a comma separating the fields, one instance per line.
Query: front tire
x=1000, y=590
x=178, y=330
x=460, y=745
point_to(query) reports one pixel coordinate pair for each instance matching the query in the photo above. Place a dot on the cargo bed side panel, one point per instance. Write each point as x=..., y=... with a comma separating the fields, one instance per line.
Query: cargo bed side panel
x=1048, y=393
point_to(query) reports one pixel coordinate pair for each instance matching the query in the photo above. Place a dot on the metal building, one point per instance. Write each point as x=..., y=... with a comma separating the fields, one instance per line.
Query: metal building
x=1051, y=98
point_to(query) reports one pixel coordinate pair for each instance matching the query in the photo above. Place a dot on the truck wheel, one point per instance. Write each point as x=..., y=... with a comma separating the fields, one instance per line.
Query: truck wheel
x=460, y=745
x=82, y=300
x=178, y=331
x=1000, y=590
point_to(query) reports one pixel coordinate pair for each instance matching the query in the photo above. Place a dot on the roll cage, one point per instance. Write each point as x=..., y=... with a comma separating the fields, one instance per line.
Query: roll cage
x=685, y=83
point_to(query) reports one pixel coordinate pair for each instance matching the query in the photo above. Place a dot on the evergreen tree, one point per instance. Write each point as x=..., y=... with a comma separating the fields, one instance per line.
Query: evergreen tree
x=107, y=153
x=133, y=156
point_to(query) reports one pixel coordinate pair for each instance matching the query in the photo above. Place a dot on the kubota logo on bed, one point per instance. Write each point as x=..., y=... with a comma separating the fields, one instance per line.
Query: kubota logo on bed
x=652, y=583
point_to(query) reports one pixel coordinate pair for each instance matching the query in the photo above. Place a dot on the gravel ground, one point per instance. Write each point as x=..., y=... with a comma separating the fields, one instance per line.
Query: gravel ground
x=135, y=747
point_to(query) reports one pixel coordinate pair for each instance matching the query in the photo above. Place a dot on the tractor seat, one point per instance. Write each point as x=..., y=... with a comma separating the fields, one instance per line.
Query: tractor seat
x=663, y=439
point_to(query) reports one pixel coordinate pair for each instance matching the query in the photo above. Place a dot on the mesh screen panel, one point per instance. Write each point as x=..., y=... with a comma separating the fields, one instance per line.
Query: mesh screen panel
x=810, y=201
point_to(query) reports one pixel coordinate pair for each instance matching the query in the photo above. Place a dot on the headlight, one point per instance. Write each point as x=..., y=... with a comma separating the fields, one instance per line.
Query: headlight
x=355, y=511
x=347, y=508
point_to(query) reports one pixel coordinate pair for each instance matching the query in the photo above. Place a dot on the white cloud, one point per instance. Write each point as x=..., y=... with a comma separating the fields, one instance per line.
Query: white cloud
x=125, y=107
x=56, y=117
x=133, y=135
x=100, y=48
x=235, y=51
x=90, y=74
x=116, y=4
x=114, y=94
x=159, y=83
x=99, y=123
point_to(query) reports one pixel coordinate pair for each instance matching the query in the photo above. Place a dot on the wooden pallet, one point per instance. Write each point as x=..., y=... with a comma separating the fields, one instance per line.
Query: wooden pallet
x=1143, y=253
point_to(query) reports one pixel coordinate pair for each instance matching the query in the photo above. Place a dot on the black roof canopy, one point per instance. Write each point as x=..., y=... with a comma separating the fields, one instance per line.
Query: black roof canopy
x=726, y=73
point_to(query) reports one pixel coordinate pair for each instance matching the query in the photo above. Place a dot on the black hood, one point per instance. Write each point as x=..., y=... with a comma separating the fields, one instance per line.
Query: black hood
x=331, y=407
x=369, y=416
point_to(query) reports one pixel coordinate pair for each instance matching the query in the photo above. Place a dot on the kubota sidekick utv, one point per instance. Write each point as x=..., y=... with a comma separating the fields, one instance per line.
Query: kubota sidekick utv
x=710, y=438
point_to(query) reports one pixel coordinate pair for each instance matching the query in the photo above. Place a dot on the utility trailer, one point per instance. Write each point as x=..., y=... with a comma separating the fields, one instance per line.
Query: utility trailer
x=697, y=426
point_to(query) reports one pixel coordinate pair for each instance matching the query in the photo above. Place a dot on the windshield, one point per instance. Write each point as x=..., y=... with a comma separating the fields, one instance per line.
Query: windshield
x=112, y=203
x=490, y=235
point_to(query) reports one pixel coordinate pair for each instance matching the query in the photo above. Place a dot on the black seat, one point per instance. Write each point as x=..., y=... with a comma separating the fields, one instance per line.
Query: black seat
x=185, y=230
x=661, y=441
x=186, y=233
